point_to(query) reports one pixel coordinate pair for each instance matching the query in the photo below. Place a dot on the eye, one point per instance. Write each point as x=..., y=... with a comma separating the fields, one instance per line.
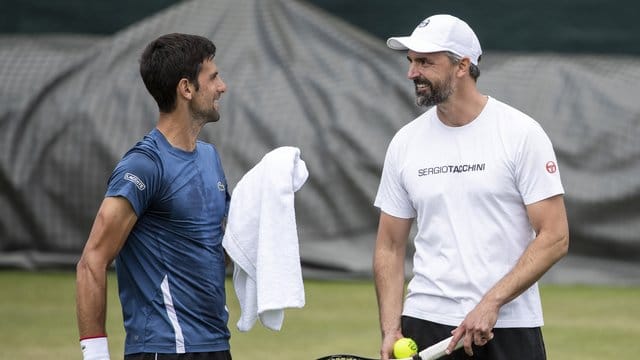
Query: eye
x=421, y=61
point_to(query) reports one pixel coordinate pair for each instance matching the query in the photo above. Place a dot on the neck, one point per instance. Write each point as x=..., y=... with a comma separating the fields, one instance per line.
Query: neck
x=179, y=130
x=462, y=107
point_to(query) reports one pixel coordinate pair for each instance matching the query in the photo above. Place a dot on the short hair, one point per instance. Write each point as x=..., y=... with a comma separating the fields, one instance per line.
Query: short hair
x=474, y=70
x=170, y=58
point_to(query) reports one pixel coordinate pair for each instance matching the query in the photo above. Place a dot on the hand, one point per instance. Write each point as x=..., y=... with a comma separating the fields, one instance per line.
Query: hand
x=386, y=349
x=476, y=328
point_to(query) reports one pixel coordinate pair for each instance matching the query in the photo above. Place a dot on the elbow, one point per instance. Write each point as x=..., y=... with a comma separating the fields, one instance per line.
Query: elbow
x=82, y=266
x=83, y=273
x=562, y=245
x=84, y=270
x=91, y=265
x=565, y=244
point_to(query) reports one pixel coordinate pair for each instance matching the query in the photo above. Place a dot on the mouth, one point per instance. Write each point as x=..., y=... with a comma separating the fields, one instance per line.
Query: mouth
x=422, y=86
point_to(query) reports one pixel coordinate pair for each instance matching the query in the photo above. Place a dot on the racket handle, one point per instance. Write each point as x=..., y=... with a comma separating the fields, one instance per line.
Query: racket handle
x=437, y=350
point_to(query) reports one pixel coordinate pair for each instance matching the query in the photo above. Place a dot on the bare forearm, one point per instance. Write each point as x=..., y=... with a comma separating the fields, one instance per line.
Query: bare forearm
x=112, y=225
x=389, y=280
x=91, y=301
x=388, y=269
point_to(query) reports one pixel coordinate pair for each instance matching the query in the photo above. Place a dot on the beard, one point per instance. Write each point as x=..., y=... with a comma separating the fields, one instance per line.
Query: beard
x=437, y=93
x=204, y=114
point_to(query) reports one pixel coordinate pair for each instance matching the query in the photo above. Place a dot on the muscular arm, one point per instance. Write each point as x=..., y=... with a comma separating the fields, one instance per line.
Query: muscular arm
x=549, y=220
x=112, y=225
x=388, y=269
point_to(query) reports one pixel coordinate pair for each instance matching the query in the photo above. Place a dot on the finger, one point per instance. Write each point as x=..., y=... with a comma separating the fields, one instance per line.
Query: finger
x=482, y=339
x=386, y=348
x=486, y=337
x=479, y=339
x=489, y=336
x=385, y=354
x=467, y=342
x=457, y=335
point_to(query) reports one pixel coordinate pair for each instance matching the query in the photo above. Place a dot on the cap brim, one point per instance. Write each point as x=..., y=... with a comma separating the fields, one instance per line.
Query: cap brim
x=407, y=43
x=397, y=43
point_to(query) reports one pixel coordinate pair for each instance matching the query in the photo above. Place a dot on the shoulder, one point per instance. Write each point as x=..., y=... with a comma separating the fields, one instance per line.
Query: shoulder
x=144, y=156
x=508, y=112
x=207, y=149
x=206, y=146
x=512, y=120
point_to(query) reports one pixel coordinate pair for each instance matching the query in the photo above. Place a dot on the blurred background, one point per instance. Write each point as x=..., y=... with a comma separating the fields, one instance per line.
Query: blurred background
x=317, y=75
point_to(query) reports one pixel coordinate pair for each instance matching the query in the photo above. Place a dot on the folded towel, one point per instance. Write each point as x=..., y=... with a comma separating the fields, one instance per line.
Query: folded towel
x=262, y=239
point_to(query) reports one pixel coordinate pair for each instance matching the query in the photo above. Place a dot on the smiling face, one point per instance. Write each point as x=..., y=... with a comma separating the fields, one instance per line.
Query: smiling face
x=204, y=105
x=433, y=76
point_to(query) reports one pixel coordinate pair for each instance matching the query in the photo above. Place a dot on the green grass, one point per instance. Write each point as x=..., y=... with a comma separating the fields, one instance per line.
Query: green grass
x=38, y=321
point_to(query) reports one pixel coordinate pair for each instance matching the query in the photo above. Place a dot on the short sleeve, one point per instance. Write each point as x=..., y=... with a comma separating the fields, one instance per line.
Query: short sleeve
x=537, y=171
x=136, y=178
x=392, y=197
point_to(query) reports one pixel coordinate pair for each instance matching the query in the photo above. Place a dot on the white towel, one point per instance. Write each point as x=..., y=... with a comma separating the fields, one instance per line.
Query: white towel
x=262, y=239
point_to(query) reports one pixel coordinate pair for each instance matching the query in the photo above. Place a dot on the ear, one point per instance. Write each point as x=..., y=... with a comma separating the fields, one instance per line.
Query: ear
x=185, y=89
x=463, y=67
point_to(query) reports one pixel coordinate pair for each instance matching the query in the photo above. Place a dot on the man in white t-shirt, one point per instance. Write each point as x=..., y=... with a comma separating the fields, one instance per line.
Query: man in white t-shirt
x=481, y=180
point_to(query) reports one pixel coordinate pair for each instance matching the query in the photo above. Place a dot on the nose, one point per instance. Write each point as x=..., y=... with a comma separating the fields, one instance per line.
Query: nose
x=222, y=86
x=412, y=73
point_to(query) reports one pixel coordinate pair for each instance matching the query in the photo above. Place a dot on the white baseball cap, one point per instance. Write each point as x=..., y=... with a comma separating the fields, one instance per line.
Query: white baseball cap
x=441, y=33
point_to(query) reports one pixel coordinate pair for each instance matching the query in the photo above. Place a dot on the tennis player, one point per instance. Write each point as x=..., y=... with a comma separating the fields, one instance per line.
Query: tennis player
x=481, y=180
x=161, y=219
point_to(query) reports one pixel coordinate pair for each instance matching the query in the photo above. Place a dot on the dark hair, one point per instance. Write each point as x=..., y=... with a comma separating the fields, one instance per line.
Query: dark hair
x=170, y=58
x=474, y=70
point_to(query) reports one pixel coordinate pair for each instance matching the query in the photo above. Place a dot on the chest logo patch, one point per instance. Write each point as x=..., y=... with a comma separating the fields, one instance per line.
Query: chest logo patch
x=551, y=167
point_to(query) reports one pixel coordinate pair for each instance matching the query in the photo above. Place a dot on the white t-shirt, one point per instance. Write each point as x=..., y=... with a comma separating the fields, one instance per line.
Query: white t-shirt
x=468, y=187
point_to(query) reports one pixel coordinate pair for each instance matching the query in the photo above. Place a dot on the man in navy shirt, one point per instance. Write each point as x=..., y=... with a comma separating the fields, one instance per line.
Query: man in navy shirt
x=161, y=220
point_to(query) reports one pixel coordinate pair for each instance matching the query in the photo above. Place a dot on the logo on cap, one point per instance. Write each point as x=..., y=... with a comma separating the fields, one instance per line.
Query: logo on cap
x=424, y=23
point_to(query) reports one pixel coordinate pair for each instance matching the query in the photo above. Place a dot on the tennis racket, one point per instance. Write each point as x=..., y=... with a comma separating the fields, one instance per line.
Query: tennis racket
x=433, y=352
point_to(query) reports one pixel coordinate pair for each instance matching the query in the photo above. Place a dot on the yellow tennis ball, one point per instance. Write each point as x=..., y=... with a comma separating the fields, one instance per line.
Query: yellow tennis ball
x=404, y=348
